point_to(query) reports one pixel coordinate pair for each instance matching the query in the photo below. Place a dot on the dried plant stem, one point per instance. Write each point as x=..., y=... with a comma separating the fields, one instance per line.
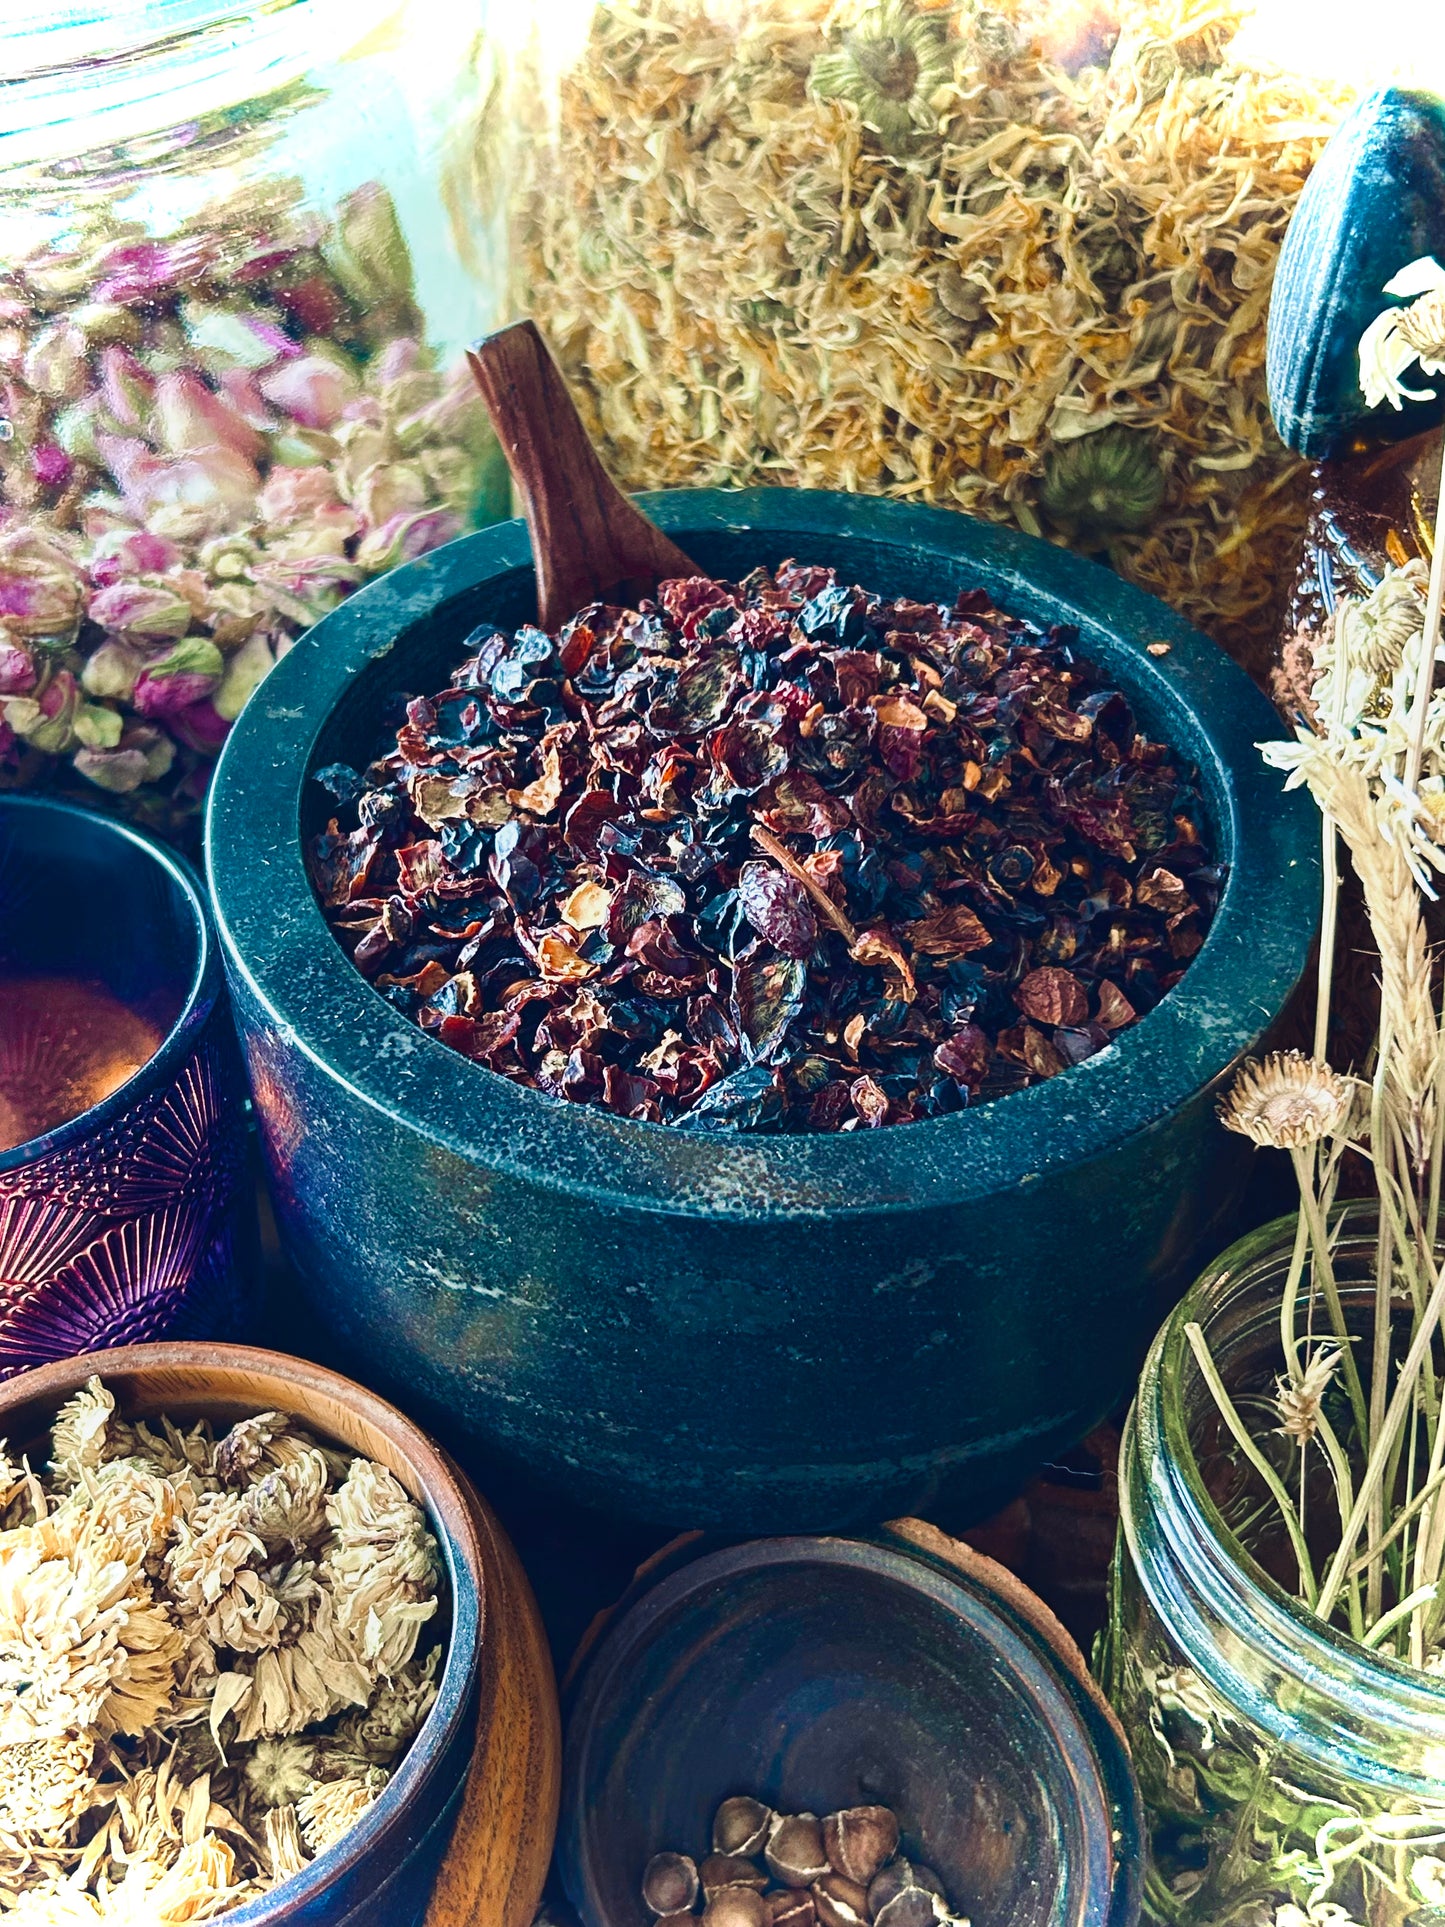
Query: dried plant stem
x=1329, y=921
x=1401, y=1520
x=783, y=856
x=1323, y=1273
x=1400, y=1402
x=1251, y=1451
x=1386, y=1624
x=1425, y=684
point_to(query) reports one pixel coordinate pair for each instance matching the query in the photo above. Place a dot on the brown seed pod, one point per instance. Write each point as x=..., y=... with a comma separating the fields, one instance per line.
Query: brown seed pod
x=886, y=1883
x=737, y=1907
x=741, y=1825
x=859, y=1840
x=914, y=1907
x=721, y=1870
x=926, y=1878
x=795, y=1849
x=669, y=1884
x=840, y=1902
x=792, y=1907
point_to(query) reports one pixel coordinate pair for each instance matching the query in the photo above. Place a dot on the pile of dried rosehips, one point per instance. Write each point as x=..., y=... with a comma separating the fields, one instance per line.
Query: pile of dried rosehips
x=777, y=854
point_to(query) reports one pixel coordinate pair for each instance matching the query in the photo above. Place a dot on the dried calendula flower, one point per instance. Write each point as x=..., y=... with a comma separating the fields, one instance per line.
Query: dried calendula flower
x=186, y=1711
x=890, y=67
x=1287, y=1102
x=1110, y=479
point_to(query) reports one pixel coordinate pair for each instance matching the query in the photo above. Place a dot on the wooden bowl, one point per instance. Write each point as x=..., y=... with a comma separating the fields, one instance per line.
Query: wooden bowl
x=482, y=1773
x=816, y=1673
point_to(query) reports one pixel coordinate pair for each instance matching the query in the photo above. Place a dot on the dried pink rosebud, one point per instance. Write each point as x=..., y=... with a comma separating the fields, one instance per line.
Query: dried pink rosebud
x=132, y=552
x=244, y=398
x=75, y=427
x=97, y=727
x=185, y=674
x=137, y=270
x=125, y=387
x=18, y=674
x=41, y=589
x=46, y=720
x=403, y=355
x=200, y=727
x=312, y=390
x=120, y=771
x=313, y=304
x=295, y=495
x=51, y=465
x=110, y=671
x=389, y=489
x=246, y=670
x=188, y=416
x=239, y=337
x=197, y=494
x=405, y=537
x=151, y=609
x=55, y=364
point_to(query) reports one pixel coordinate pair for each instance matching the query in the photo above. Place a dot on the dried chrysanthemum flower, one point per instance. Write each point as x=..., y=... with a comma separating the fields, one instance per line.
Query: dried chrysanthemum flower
x=281, y=1832
x=243, y=1448
x=1400, y=336
x=81, y=1642
x=278, y=1772
x=1298, y=1398
x=890, y=67
x=381, y=1566
x=46, y=1785
x=330, y=1810
x=213, y=1543
x=286, y=1506
x=130, y=1502
x=86, y=1433
x=378, y=1734
x=1287, y=1102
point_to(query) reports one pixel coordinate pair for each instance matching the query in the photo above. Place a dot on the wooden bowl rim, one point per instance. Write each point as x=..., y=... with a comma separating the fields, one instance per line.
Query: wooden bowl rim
x=449, y=1514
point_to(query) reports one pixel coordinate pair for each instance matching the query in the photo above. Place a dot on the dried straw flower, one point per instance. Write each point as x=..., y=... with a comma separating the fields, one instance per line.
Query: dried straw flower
x=1287, y=1102
x=1298, y=1398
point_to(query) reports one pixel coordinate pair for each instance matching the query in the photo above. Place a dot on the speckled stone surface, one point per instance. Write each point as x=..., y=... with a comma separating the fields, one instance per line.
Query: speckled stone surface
x=774, y=1333
x=1374, y=202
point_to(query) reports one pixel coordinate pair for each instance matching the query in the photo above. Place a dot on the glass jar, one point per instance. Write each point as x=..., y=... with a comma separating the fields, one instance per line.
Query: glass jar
x=1008, y=256
x=237, y=270
x=1291, y=1777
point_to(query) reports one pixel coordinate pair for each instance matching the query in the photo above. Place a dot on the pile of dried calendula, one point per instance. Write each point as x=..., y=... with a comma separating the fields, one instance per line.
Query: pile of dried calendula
x=771, y=1869
x=209, y=1661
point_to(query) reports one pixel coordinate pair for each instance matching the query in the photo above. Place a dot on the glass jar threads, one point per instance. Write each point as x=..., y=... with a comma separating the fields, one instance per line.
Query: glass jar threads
x=235, y=283
x=1292, y=1777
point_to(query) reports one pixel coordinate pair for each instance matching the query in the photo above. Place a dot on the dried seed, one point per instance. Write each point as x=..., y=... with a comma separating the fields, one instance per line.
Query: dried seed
x=737, y=1907
x=840, y=1902
x=795, y=1850
x=859, y=1840
x=669, y=1883
x=721, y=1870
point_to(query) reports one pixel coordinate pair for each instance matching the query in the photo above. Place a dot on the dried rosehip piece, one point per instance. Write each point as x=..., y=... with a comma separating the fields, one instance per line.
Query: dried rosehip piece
x=777, y=855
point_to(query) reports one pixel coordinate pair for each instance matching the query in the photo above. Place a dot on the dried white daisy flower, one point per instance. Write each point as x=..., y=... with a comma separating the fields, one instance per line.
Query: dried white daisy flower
x=330, y=1810
x=1401, y=336
x=1373, y=633
x=281, y=1832
x=1287, y=1102
x=1298, y=1397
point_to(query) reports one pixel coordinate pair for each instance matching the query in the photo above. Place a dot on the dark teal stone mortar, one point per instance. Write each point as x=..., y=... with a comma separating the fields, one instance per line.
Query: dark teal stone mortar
x=785, y=1333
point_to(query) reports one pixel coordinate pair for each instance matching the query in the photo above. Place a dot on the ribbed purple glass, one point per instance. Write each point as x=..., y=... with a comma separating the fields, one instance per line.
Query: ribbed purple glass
x=133, y=1220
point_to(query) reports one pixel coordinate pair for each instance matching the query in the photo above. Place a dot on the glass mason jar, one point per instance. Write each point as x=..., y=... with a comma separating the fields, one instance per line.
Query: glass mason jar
x=1010, y=256
x=239, y=261
x=1291, y=1777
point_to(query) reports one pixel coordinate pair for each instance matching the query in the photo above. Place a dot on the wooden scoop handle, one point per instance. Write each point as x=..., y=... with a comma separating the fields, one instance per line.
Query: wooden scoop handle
x=589, y=542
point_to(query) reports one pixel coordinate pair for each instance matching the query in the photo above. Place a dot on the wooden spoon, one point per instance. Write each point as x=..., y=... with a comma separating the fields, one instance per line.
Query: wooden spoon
x=589, y=542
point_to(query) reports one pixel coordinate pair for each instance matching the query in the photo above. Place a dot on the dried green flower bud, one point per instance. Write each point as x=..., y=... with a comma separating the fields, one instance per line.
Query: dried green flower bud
x=110, y=672
x=737, y=1907
x=795, y=1849
x=1108, y=480
x=741, y=1825
x=55, y=363
x=859, y=1840
x=97, y=728
x=721, y=1870
x=669, y=1883
x=840, y=1902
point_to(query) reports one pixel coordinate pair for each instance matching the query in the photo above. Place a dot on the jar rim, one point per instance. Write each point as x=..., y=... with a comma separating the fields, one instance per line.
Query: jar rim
x=1200, y=1576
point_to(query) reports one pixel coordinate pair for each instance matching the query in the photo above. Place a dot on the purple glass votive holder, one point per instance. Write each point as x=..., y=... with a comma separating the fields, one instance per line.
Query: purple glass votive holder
x=134, y=1220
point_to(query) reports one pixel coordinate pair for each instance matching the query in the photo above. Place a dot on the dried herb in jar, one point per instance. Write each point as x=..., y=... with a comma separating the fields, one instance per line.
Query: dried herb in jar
x=777, y=854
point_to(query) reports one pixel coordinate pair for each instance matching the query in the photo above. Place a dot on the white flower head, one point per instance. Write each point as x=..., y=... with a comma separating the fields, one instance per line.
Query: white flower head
x=1400, y=336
